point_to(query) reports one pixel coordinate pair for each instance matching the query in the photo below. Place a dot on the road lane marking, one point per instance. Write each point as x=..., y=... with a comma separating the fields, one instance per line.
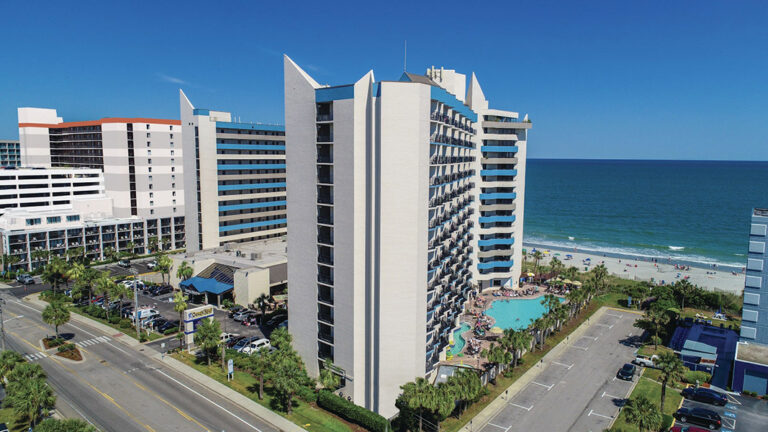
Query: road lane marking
x=564, y=365
x=212, y=402
x=548, y=387
x=593, y=413
x=14, y=317
x=520, y=406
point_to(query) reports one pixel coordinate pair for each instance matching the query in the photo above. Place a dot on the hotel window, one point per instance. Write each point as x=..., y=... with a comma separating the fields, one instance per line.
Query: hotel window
x=149, y=169
x=173, y=185
x=174, y=209
x=151, y=194
x=171, y=152
x=174, y=193
x=149, y=152
x=35, y=221
x=150, y=186
x=171, y=143
x=150, y=178
x=151, y=203
x=171, y=135
x=173, y=176
x=151, y=211
x=174, y=202
x=173, y=169
x=147, y=127
x=53, y=219
x=149, y=143
x=149, y=160
x=73, y=218
x=172, y=161
x=148, y=135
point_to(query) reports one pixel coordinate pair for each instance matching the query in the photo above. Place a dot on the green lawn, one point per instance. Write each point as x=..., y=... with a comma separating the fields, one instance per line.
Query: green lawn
x=652, y=391
x=7, y=417
x=305, y=415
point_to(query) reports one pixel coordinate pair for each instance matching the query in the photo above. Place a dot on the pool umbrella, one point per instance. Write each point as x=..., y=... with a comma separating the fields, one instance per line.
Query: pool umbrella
x=531, y=275
x=497, y=330
x=576, y=283
x=567, y=281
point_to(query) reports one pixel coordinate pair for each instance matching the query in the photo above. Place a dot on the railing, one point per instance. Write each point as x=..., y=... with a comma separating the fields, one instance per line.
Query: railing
x=325, y=259
x=325, y=199
x=326, y=318
x=325, y=179
x=325, y=240
x=328, y=220
x=323, y=336
x=326, y=279
x=325, y=138
x=322, y=158
x=325, y=299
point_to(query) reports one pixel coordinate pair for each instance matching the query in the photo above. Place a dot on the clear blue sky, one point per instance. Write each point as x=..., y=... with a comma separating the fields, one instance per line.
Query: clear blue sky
x=600, y=79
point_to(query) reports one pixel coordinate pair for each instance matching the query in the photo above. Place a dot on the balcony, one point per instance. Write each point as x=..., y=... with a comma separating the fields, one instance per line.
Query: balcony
x=325, y=259
x=325, y=336
x=325, y=138
x=325, y=239
x=324, y=117
x=325, y=318
x=326, y=279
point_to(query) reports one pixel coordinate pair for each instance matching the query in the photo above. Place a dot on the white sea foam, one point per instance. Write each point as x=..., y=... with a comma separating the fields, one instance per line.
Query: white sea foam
x=571, y=238
x=676, y=248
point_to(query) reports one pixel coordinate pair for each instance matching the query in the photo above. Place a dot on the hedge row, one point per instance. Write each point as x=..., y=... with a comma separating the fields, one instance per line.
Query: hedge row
x=351, y=412
x=691, y=377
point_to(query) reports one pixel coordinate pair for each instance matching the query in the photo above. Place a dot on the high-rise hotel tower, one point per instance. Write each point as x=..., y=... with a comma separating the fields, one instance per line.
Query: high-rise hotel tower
x=383, y=207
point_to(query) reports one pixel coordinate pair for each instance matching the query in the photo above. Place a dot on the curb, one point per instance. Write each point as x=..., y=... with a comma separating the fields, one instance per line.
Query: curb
x=276, y=420
x=495, y=406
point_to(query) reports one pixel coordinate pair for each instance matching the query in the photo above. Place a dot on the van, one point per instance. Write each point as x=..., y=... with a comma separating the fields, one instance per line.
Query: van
x=144, y=314
x=256, y=346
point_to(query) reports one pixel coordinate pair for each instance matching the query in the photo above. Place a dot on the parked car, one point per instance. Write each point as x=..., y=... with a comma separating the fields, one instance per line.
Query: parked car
x=160, y=290
x=627, y=372
x=25, y=279
x=235, y=309
x=645, y=361
x=168, y=325
x=256, y=345
x=705, y=395
x=144, y=314
x=239, y=316
x=275, y=320
x=3, y=427
x=250, y=320
x=152, y=264
x=225, y=337
x=243, y=342
x=129, y=283
x=687, y=429
x=126, y=311
x=234, y=341
x=124, y=263
x=283, y=324
x=154, y=322
x=700, y=416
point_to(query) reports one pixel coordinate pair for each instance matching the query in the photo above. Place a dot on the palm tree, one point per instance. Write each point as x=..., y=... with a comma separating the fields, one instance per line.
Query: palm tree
x=9, y=261
x=261, y=364
x=571, y=273
x=55, y=273
x=420, y=396
x=184, y=271
x=31, y=399
x=556, y=266
x=152, y=244
x=8, y=360
x=561, y=314
x=180, y=305
x=496, y=354
x=653, y=321
x=26, y=372
x=164, y=265
x=131, y=249
x=40, y=255
x=328, y=378
x=600, y=273
x=263, y=302
x=208, y=337
x=56, y=314
x=686, y=290
x=466, y=386
x=515, y=342
x=110, y=253
x=106, y=286
x=671, y=368
x=641, y=412
x=537, y=256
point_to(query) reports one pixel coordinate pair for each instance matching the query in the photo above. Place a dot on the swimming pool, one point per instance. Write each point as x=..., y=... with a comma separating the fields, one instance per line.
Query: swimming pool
x=517, y=313
x=458, y=340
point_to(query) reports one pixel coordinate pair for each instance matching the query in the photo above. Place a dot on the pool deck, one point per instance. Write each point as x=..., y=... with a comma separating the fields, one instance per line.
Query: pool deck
x=475, y=309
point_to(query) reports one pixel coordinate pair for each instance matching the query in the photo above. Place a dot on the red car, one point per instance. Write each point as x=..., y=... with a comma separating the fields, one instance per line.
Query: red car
x=687, y=429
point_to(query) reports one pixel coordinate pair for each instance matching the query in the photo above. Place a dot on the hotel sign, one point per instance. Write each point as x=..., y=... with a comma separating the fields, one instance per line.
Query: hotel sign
x=197, y=314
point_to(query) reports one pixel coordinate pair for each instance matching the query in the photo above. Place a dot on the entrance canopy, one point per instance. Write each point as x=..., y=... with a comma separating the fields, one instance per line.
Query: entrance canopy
x=205, y=285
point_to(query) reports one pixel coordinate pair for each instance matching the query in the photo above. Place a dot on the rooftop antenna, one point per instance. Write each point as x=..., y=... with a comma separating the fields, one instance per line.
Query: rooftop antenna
x=405, y=56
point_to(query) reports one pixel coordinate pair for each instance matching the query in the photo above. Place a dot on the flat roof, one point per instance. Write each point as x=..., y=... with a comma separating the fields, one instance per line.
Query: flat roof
x=259, y=253
x=752, y=352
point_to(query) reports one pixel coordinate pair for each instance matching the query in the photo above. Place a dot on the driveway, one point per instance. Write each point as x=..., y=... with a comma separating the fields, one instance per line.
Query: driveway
x=740, y=414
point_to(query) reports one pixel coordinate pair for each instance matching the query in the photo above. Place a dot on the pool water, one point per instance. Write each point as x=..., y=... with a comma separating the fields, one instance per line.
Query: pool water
x=517, y=313
x=458, y=340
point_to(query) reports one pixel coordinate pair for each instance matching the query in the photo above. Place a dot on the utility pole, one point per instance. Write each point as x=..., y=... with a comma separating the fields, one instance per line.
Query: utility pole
x=136, y=303
x=2, y=322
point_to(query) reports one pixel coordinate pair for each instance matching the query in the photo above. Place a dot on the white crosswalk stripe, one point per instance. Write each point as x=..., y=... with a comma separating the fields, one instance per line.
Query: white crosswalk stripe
x=92, y=341
x=35, y=356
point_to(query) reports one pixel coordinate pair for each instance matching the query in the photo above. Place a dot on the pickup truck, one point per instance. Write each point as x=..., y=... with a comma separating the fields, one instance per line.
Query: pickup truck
x=645, y=361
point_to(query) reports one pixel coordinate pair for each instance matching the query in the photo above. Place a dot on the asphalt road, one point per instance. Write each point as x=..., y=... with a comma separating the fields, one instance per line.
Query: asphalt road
x=117, y=387
x=740, y=414
x=577, y=391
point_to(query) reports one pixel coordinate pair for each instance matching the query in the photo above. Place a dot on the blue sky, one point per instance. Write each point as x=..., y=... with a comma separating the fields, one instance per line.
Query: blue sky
x=599, y=79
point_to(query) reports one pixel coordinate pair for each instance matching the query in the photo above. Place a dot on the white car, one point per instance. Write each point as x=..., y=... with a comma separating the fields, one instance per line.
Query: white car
x=256, y=346
x=151, y=265
x=225, y=337
x=129, y=284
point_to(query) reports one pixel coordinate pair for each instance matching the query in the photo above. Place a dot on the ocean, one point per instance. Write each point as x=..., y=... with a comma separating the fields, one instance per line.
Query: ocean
x=693, y=211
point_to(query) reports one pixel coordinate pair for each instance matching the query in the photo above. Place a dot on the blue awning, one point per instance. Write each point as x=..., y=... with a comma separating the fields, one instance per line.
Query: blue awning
x=206, y=285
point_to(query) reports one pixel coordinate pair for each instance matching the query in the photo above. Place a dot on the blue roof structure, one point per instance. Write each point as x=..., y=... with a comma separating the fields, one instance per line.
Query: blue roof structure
x=697, y=340
x=206, y=285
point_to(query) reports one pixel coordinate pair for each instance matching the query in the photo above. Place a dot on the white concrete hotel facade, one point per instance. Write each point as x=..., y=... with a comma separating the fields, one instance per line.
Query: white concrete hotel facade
x=384, y=213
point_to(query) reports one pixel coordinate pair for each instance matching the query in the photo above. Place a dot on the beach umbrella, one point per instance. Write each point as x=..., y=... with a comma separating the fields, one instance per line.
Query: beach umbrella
x=531, y=275
x=576, y=283
x=587, y=259
x=497, y=330
x=567, y=281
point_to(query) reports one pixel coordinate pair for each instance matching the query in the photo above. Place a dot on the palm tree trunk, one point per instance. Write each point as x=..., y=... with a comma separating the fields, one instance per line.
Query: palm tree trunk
x=663, y=393
x=290, y=403
x=261, y=386
x=420, y=415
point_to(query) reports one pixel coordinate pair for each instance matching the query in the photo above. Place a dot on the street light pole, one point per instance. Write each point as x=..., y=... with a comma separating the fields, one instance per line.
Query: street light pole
x=136, y=304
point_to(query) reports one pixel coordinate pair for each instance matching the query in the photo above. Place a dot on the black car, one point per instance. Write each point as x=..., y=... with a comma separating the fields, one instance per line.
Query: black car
x=167, y=326
x=124, y=263
x=627, y=372
x=276, y=320
x=160, y=290
x=233, y=341
x=235, y=309
x=699, y=416
x=705, y=395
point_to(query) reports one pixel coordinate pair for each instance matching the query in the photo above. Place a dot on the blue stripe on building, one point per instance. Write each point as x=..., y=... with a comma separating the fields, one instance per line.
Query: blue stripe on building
x=498, y=195
x=252, y=225
x=493, y=242
x=499, y=149
x=251, y=205
x=491, y=219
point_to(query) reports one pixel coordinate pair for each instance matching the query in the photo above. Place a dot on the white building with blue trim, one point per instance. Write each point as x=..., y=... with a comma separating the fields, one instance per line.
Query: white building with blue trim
x=236, y=186
x=385, y=214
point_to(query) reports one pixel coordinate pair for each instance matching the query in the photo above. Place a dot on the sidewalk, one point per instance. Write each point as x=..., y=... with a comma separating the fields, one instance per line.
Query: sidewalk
x=274, y=419
x=485, y=416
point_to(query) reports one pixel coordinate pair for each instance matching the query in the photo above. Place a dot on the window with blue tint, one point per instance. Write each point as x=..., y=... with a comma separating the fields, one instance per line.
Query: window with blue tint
x=73, y=218
x=33, y=221
x=53, y=219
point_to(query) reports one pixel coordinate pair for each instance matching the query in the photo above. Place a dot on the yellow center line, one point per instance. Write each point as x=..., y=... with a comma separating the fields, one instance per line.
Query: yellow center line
x=77, y=376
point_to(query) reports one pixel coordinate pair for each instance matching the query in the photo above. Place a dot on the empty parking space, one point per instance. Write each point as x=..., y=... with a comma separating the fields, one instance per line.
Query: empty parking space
x=577, y=386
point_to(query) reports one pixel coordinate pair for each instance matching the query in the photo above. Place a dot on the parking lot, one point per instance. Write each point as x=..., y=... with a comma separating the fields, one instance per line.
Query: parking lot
x=740, y=414
x=578, y=390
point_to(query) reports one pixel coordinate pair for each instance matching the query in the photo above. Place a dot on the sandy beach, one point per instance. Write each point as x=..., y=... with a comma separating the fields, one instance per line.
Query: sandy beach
x=637, y=268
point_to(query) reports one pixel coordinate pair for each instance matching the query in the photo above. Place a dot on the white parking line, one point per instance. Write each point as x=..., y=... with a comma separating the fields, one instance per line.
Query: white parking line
x=500, y=427
x=581, y=348
x=614, y=315
x=548, y=387
x=564, y=365
x=604, y=325
x=521, y=407
x=594, y=338
x=592, y=412
x=610, y=395
x=731, y=426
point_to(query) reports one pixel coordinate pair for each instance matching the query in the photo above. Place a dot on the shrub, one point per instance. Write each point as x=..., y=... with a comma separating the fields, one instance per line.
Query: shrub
x=125, y=323
x=307, y=394
x=666, y=421
x=692, y=376
x=55, y=341
x=114, y=319
x=143, y=337
x=171, y=331
x=66, y=347
x=351, y=412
